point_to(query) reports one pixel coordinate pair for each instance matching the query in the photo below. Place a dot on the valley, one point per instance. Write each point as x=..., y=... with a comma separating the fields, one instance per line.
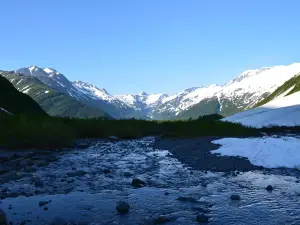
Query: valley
x=70, y=154
x=61, y=97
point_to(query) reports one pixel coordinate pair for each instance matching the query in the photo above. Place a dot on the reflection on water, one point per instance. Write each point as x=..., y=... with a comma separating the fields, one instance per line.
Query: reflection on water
x=85, y=185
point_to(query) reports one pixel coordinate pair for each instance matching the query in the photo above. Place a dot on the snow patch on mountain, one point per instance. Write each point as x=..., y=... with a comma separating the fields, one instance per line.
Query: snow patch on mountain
x=282, y=111
x=242, y=92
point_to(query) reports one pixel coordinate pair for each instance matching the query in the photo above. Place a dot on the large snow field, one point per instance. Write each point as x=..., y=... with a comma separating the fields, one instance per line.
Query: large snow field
x=282, y=111
x=269, y=152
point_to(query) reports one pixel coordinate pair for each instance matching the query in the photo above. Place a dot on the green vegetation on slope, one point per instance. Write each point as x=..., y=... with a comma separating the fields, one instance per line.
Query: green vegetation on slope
x=205, y=107
x=43, y=132
x=53, y=102
x=291, y=86
x=17, y=103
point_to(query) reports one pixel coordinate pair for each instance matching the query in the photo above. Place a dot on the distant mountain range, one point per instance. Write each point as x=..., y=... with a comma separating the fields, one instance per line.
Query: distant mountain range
x=61, y=97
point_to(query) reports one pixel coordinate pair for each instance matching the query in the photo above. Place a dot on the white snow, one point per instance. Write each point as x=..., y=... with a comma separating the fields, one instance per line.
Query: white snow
x=152, y=99
x=282, y=111
x=26, y=91
x=92, y=91
x=269, y=152
x=244, y=91
x=19, y=82
x=24, y=88
x=49, y=70
x=4, y=110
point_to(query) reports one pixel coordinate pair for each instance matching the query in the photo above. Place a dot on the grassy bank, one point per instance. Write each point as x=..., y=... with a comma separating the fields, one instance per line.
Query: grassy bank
x=51, y=132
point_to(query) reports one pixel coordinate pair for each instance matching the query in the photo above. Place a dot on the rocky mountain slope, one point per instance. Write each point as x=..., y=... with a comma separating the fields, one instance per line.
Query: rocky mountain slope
x=243, y=92
x=13, y=102
x=53, y=102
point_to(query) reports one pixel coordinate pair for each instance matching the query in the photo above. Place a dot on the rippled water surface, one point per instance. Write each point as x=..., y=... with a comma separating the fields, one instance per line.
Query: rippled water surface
x=85, y=185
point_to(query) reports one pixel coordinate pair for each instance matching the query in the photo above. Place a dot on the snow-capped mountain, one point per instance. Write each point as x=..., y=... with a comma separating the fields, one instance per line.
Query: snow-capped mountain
x=241, y=93
x=87, y=93
x=282, y=111
x=143, y=102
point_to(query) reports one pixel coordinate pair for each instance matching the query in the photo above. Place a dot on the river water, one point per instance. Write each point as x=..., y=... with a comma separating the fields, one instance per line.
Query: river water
x=85, y=185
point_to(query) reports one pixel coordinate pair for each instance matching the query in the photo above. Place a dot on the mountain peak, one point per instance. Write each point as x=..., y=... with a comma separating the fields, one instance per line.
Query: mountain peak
x=37, y=71
x=51, y=71
x=143, y=93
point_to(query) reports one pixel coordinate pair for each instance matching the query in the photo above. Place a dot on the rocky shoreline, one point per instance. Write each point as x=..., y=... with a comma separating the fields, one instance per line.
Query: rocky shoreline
x=196, y=153
x=105, y=179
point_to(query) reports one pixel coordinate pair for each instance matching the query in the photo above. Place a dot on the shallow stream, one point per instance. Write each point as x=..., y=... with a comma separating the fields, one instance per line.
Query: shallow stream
x=85, y=185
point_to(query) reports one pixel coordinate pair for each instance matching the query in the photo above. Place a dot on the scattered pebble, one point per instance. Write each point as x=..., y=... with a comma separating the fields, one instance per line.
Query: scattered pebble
x=123, y=207
x=43, y=203
x=201, y=218
x=235, y=197
x=106, y=171
x=137, y=183
x=269, y=188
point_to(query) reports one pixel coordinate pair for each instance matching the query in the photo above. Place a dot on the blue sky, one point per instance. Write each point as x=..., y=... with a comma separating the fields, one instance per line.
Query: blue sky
x=128, y=46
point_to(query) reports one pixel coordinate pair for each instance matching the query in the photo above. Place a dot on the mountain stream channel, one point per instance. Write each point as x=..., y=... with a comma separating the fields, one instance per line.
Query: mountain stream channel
x=180, y=182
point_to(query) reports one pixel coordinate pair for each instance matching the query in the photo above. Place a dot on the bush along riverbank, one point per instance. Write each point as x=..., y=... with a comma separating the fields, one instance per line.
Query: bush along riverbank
x=25, y=132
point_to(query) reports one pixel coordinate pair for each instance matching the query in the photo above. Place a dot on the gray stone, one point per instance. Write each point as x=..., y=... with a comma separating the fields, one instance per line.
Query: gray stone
x=235, y=197
x=43, y=203
x=201, y=218
x=269, y=188
x=106, y=170
x=123, y=207
x=137, y=183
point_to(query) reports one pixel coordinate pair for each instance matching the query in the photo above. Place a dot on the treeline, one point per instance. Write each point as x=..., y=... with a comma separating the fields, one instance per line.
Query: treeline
x=50, y=132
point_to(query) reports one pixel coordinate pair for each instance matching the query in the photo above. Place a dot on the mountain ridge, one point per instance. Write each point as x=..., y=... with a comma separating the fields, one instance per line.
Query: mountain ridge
x=53, y=102
x=240, y=93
